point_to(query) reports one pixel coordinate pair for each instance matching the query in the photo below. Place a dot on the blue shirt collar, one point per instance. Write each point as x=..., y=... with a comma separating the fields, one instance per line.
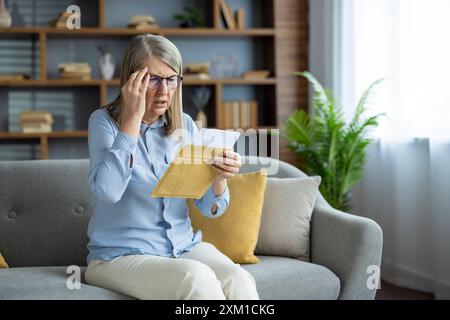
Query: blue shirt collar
x=161, y=122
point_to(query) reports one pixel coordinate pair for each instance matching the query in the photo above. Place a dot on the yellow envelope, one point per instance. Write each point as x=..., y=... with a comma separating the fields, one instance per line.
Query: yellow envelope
x=189, y=175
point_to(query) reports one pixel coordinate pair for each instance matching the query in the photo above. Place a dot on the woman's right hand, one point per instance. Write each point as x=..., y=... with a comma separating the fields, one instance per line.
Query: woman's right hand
x=133, y=94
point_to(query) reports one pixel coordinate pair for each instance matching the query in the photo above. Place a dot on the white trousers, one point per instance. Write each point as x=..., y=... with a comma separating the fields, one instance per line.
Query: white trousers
x=201, y=274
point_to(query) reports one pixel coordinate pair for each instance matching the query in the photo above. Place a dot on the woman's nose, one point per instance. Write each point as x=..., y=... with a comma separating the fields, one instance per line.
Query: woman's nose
x=163, y=86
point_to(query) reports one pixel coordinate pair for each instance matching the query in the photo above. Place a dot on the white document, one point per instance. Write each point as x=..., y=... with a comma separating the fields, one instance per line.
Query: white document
x=216, y=138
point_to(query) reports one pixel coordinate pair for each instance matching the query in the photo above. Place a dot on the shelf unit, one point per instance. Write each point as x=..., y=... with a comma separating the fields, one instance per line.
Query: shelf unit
x=167, y=32
x=269, y=36
x=43, y=138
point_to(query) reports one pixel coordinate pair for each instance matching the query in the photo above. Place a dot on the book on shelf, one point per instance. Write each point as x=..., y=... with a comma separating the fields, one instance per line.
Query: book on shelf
x=239, y=114
x=32, y=121
x=13, y=77
x=35, y=122
x=196, y=76
x=75, y=75
x=41, y=129
x=143, y=22
x=36, y=116
x=198, y=70
x=256, y=74
x=35, y=112
x=74, y=66
x=142, y=19
x=199, y=67
x=144, y=26
x=240, y=19
x=75, y=70
x=227, y=14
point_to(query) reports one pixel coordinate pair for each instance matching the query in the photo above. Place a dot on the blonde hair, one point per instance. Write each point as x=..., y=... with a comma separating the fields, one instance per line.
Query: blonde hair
x=138, y=52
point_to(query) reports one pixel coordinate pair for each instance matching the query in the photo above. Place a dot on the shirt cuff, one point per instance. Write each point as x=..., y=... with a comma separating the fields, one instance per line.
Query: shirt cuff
x=209, y=199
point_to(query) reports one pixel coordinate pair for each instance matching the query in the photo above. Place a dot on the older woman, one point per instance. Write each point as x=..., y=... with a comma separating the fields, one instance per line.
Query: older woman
x=143, y=246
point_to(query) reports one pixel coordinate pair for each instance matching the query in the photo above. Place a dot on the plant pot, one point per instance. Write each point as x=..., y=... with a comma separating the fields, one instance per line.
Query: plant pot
x=107, y=66
x=188, y=24
x=184, y=25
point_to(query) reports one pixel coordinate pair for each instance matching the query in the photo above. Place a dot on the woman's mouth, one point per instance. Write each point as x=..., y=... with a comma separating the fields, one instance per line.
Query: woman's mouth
x=160, y=103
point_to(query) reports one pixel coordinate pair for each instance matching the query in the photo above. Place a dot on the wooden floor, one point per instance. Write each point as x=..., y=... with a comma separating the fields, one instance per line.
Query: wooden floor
x=391, y=292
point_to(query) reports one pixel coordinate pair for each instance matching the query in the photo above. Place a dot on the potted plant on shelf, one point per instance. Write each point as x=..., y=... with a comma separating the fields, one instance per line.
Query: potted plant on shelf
x=328, y=146
x=106, y=62
x=190, y=18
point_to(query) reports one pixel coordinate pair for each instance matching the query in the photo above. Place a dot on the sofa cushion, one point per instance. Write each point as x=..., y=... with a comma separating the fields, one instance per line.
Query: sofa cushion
x=3, y=263
x=276, y=278
x=44, y=200
x=235, y=232
x=279, y=278
x=286, y=217
x=42, y=283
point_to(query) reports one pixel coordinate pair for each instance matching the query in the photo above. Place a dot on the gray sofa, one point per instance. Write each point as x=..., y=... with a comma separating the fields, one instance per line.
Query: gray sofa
x=45, y=208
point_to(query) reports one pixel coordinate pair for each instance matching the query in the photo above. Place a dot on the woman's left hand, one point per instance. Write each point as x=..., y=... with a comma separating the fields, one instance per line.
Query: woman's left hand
x=227, y=164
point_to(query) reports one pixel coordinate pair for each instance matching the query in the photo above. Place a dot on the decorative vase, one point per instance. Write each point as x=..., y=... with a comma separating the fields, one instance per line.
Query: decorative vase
x=202, y=118
x=107, y=66
x=5, y=17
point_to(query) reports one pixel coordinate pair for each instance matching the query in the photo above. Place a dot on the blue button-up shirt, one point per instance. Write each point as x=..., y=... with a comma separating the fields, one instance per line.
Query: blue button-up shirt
x=124, y=170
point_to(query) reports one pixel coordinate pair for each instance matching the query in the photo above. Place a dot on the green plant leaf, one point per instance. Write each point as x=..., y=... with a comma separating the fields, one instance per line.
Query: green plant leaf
x=180, y=17
x=193, y=15
x=320, y=95
x=363, y=102
x=298, y=127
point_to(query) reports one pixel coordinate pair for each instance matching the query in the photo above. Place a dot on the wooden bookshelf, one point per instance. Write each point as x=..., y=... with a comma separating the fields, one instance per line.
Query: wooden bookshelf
x=43, y=137
x=285, y=40
x=95, y=31
x=52, y=83
x=116, y=82
x=53, y=134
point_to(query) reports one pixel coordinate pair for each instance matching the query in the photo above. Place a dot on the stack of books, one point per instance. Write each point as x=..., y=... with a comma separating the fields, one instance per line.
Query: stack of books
x=197, y=71
x=239, y=114
x=81, y=71
x=33, y=121
x=143, y=22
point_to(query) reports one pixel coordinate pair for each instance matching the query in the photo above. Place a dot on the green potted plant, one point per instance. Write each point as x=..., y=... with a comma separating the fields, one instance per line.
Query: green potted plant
x=328, y=146
x=191, y=18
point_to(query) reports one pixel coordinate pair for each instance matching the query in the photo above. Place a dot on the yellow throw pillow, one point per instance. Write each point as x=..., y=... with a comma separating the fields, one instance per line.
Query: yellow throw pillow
x=3, y=264
x=235, y=233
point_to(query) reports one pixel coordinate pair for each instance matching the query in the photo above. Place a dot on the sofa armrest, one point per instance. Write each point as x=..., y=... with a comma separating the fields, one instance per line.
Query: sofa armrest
x=347, y=245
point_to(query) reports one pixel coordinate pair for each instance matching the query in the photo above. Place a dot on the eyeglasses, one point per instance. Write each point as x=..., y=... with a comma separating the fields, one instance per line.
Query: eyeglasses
x=172, y=82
